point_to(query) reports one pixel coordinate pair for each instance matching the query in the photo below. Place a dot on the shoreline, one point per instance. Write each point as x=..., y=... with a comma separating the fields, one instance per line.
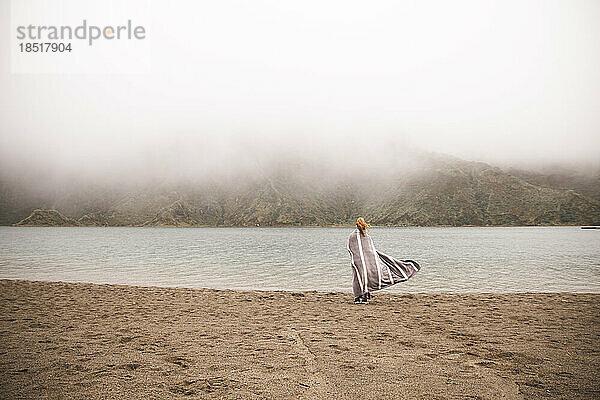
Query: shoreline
x=81, y=340
x=347, y=292
x=298, y=226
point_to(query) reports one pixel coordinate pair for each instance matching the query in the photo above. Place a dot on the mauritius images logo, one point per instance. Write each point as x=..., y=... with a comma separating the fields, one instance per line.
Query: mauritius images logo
x=85, y=31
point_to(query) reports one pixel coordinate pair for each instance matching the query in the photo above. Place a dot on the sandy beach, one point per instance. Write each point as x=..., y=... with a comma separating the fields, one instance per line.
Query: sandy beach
x=85, y=341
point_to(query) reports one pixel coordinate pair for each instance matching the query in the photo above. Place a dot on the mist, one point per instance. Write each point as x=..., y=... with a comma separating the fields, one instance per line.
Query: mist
x=236, y=87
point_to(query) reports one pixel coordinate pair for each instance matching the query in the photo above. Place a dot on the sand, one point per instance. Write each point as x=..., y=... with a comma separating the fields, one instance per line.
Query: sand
x=84, y=341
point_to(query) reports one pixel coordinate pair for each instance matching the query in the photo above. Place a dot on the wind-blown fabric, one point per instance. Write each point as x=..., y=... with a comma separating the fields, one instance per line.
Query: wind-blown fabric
x=374, y=270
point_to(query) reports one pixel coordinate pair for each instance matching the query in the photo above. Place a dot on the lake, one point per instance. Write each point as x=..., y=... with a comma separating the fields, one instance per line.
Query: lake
x=469, y=259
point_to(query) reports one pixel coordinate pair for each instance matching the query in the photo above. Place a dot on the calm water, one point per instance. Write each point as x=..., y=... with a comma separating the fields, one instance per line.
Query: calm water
x=453, y=259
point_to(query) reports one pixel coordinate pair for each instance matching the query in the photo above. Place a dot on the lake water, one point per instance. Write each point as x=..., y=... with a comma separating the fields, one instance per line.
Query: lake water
x=498, y=260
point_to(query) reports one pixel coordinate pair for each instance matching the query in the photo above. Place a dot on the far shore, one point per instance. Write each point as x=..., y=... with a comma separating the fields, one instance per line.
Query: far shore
x=86, y=341
x=298, y=226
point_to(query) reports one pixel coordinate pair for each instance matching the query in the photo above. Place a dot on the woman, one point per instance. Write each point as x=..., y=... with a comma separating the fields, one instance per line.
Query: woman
x=373, y=270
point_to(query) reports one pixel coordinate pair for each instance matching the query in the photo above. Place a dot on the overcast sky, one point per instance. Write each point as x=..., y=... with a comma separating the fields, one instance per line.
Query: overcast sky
x=498, y=81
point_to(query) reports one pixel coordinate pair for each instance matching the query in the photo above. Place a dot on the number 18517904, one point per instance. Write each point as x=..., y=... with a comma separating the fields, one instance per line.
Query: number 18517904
x=45, y=47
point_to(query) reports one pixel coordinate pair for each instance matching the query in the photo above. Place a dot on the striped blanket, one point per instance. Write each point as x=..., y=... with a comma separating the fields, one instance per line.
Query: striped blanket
x=374, y=270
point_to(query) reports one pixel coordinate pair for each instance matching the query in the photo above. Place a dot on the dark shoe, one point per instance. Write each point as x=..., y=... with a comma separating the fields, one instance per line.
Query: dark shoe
x=360, y=300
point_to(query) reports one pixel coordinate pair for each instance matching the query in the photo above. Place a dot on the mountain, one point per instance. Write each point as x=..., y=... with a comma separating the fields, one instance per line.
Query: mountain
x=439, y=190
x=477, y=194
x=177, y=214
x=47, y=218
x=587, y=183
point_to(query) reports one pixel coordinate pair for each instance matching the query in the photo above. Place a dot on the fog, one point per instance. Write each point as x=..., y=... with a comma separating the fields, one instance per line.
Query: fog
x=233, y=85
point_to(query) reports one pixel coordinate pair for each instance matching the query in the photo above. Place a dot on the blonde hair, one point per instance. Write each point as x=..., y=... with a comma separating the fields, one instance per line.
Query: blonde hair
x=362, y=226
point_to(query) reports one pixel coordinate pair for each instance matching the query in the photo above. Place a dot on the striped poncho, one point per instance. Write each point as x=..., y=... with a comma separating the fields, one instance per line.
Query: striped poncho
x=374, y=270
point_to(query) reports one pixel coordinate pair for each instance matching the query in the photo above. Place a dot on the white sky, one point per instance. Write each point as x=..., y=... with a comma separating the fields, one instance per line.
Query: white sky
x=499, y=81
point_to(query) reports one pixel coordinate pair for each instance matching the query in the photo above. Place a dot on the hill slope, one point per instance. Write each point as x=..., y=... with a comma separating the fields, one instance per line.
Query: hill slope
x=47, y=218
x=442, y=191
